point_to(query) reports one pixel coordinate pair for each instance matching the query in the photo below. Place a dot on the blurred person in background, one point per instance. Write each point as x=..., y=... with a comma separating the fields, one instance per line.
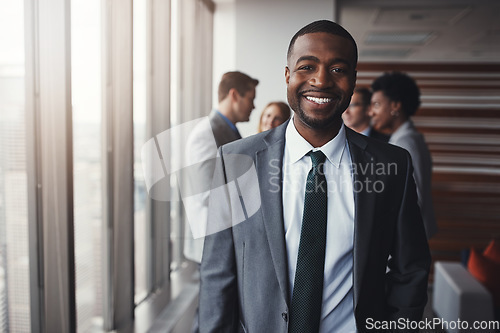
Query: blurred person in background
x=396, y=97
x=236, y=95
x=357, y=116
x=273, y=115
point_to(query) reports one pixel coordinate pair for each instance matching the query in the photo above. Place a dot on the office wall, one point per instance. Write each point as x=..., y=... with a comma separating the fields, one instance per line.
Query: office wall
x=253, y=36
x=224, y=44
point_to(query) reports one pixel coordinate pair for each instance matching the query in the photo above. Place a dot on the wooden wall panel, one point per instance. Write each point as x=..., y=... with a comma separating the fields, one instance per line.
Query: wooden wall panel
x=460, y=119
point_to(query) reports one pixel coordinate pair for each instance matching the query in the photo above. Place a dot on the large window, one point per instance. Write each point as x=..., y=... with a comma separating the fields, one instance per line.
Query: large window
x=84, y=84
x=87, y=157
x=14, y=261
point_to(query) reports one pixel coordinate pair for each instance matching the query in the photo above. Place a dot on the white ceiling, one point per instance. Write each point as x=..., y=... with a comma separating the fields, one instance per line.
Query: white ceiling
x=421, y=30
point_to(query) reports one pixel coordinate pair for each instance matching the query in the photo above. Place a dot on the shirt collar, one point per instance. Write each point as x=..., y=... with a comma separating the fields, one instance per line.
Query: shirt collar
x=233, y=126
x=366, y=131
x=333, y=149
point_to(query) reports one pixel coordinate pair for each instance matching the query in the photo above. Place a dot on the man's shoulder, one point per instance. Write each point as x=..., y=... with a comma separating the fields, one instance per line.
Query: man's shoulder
x=373, y=146
x=200, y=133
x=412, y=141
x=217, y=122
x=249, y=145
x=378, y=135
x=257, y=142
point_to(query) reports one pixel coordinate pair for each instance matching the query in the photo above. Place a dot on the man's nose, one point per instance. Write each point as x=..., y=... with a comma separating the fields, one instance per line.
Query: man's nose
x=322, y=78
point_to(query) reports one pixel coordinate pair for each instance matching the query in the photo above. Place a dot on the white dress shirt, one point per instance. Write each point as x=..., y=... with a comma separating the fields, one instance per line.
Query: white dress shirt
x=337, y=313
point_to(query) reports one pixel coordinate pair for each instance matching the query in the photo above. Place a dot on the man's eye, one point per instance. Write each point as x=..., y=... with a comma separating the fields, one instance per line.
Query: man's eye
x=306, y=67
x=338, y=70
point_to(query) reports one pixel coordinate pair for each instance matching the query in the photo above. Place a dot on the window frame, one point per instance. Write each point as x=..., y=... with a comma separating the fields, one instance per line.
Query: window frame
x=50, y=161
x=49, y=166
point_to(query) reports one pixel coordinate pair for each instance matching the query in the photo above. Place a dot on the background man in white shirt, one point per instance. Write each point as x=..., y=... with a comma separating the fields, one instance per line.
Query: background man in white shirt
x=236, y=95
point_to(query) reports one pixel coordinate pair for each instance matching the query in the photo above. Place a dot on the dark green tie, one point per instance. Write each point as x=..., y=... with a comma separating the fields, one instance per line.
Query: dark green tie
x=305, y=310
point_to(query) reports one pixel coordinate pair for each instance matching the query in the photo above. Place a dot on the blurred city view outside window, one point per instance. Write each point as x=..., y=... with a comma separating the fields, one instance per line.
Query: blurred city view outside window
x=14, y=258
x=87, y=161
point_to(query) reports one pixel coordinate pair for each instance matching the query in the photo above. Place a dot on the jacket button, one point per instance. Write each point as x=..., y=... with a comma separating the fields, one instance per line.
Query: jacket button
x=284, y=315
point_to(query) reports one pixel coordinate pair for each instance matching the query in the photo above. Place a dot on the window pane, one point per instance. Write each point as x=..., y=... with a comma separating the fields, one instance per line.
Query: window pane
x=14, y=261
x=141, y=242
x=87, y=143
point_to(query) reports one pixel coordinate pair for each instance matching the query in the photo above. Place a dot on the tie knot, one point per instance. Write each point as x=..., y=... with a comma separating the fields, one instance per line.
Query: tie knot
x=317, y=157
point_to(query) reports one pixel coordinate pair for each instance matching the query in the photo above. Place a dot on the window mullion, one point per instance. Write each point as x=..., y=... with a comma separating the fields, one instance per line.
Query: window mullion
x=118, y=164
x=50, y=167
x=158, y=113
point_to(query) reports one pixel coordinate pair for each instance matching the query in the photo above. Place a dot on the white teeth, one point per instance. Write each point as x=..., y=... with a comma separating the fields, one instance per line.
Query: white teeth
x=319, y=100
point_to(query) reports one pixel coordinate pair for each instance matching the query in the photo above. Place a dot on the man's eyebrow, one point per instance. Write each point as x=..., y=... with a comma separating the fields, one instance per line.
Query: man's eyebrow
x=341, y=60
x=307, y=58
x=315, y=59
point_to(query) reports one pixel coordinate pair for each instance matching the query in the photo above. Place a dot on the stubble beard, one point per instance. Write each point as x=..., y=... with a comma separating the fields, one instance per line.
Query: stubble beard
x=319, y=124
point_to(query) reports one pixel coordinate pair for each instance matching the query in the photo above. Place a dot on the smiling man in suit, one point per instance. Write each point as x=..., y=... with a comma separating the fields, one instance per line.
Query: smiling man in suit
x=338, y=243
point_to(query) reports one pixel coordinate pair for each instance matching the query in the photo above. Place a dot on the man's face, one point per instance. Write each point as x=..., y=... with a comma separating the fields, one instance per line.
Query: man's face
x=320, y=78
x=356, y=115
x=380, y=111
x=243, y=105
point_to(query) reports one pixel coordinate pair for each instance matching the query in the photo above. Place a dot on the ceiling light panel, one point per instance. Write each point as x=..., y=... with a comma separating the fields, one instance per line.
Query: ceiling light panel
x=420, y=16
x=398, y=38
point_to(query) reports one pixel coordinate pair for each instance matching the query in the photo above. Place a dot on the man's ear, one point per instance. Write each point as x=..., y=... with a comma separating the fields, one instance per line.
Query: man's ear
x=287, y=74
x=233, y=93
x=396, y=106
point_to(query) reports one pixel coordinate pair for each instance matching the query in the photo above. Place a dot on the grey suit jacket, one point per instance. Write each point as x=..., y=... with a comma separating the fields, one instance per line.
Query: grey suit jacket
x=244, y=286
x=220, y=128
x=407, y=137
x=198, y=177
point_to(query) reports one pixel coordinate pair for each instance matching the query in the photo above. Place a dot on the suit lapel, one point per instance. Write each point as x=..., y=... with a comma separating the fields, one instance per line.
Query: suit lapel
x=223, y=133
x=269, y=163
x=364, y=202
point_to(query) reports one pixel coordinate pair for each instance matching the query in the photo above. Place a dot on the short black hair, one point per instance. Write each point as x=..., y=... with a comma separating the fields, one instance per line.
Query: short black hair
x=399, y=87
x=324, y=26
x=366, y=95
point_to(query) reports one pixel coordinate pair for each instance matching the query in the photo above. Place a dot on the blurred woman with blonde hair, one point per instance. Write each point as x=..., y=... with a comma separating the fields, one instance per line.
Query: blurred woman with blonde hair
x=273, y=115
